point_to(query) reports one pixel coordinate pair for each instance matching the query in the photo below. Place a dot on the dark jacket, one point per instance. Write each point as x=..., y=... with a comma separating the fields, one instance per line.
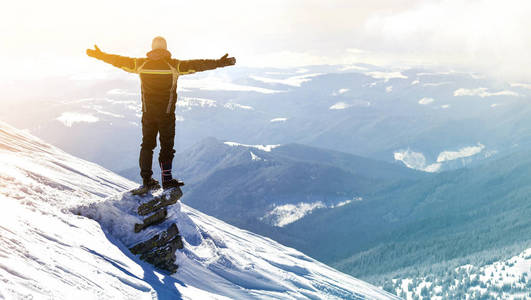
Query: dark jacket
x=158, y=74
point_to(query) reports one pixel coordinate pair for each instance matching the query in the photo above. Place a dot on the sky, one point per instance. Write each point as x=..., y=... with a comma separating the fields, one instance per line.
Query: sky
x=49, y=38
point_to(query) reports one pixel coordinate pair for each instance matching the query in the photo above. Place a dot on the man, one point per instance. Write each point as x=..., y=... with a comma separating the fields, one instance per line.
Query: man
x=158, y=75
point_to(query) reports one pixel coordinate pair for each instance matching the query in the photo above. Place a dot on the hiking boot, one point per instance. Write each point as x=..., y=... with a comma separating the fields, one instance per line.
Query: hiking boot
x=147, y=185
x=168, y=184
x=150, y=183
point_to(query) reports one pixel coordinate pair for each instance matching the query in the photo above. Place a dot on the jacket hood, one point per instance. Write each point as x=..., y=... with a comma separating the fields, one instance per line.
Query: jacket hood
x=158, y=54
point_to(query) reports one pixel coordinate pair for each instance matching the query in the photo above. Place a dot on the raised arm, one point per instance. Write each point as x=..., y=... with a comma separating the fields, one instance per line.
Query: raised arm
x=123, y=62
x=199, y=65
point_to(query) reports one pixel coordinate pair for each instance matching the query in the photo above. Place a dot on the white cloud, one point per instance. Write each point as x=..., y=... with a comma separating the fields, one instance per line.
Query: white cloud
x=444, y=106
x=233, y=106
x=219, y=84
x=437, y=83
x=416, y=160
x=415, y=82
x=122, y=92
x=99, y=109
x=340, y=105
x=276, y=120
x=522, y=85
x=389, y=89
x=352, y=67
x=386, y=75
x=340, y=92
x=483, y=92
x=461, y=153
x=295, y=81
x=483, y=35
x=426, y=100
x=70, y=118
x=189, y=102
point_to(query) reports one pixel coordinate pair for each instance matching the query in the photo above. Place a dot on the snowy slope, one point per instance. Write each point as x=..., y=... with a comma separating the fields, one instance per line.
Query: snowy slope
x=46, y=251
x=504, y=279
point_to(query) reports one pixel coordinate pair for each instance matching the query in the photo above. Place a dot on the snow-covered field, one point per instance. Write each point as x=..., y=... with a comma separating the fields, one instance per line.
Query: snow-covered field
x=49, y=252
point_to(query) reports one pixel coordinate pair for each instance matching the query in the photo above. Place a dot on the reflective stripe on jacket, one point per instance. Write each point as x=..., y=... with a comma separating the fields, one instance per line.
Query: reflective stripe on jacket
x=159, y=74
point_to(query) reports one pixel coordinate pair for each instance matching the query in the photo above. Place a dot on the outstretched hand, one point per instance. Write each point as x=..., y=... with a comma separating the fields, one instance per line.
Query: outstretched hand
x=225, y=60
x=94, y=52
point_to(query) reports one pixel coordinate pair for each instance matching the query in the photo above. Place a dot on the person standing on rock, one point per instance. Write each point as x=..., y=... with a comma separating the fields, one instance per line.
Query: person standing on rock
x=158, y=75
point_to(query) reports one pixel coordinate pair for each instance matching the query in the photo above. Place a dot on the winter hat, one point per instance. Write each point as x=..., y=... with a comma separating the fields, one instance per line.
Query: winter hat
x=158, y=43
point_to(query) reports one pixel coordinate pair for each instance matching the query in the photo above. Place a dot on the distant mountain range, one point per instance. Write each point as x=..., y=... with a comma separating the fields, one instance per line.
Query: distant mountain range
x=416, y=115
x=250, y=184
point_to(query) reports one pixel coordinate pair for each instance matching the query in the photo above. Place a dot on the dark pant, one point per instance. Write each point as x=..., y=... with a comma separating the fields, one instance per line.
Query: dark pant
x=153, y=123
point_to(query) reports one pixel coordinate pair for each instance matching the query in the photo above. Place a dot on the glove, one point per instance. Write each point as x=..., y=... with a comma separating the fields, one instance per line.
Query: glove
x=94, y=53
x=225, y=60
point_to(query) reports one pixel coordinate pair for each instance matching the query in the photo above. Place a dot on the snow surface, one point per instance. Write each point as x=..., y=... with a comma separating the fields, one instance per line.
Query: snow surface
x=49, y=252
x=255, y=157
x=504, y=279
x=266, y=148
x=417, y=160
x=461, y=153
x=283, y=215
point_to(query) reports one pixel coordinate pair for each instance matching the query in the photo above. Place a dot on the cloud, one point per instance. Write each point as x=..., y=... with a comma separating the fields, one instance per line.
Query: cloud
x=426, y=100
x=340, y=92
x=483, y=92
x=122, y=92
x=276, y=120
x=437, y=83
x=461, y=153
x=189, y=102
x=233, y=106
x=340, y=105
x=295, y=81
x=416, y=160
x=70, y=118
x=386, y=75
x=483, y=35
x=219, y=84
x=522, y=85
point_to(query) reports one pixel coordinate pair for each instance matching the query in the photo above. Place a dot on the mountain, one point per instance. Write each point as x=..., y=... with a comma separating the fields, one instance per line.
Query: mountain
x=263, y=185
x=48, y=251
x=470, y=215
x=399, y=224
x=431, y=120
